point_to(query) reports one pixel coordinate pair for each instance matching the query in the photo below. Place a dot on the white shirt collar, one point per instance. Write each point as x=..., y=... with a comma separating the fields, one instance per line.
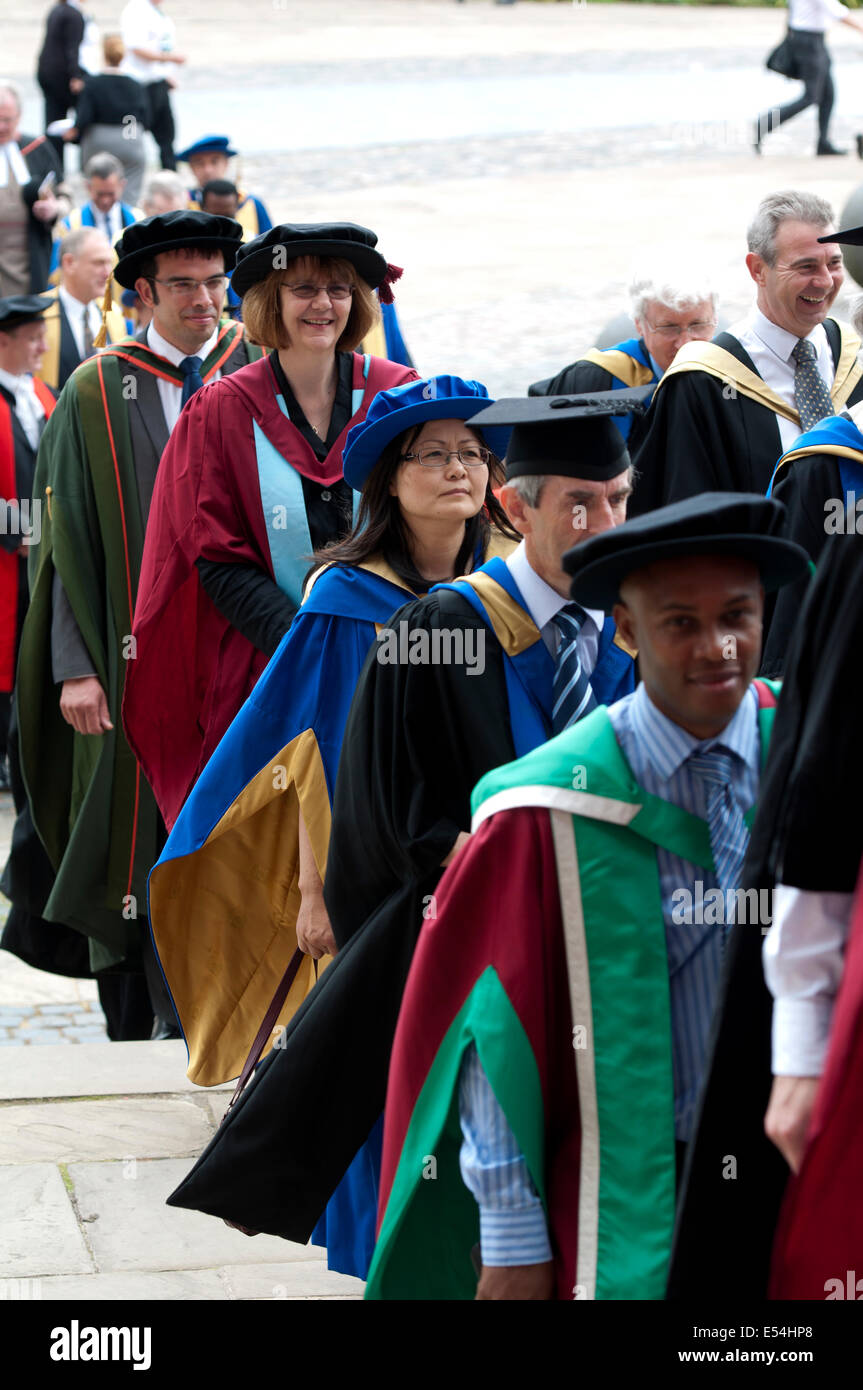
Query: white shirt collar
x=779, y=340
x=174, y=355
x=14, y=383
x=73, y=305
x=14, y=159
x=543, y=602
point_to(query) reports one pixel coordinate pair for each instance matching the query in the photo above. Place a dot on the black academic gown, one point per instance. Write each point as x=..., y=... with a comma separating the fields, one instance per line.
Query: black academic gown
x=803, y=836
x=702, y=435
x=803, y=489
x=417, y=740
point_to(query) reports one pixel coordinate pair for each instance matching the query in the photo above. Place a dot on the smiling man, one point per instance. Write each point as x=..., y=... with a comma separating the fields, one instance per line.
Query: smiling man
x=559, y=1004
x=94, y=479
x=726, y=410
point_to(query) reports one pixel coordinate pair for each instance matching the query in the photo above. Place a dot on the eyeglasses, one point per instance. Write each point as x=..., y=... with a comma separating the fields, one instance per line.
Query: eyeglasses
x=309, y=291
x=181, y=289
x=471, y=455
x=676, y=330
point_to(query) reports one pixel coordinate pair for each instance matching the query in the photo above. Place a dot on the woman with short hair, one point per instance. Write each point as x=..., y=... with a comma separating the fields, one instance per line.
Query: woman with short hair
x=249, y=486
x=111, y=117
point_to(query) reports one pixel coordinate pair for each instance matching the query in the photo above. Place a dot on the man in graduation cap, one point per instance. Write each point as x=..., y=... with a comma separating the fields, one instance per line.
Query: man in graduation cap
x=94, y=480
x=726, y=410
x=552, y=1035
x=421, y=731
x=209, y=158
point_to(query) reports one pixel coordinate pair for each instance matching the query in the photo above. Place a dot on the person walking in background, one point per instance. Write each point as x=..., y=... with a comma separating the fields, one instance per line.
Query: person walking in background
x=86, y=260
x=59, y=72
x=148, y=37
x=808, y=21
x=111, y=117
x=104, y=209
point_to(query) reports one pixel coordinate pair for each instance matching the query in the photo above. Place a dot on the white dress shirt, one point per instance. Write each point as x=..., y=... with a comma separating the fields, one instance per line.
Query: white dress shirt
x=804, y=954
x=770, y=348
x=145, y=26
x=543, y=605
x=75, y=314
x=110, y=222
x=12, y=158
x=815, y=15
x=28, y=406
x=170, y=394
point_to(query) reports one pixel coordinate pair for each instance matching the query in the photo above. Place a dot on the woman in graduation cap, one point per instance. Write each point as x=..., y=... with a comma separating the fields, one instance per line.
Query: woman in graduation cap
x=249, y=486
x=460, y=679
x=253, y=835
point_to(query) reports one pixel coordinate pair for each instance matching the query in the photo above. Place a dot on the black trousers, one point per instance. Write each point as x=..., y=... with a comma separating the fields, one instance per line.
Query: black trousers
x=162, y=122
x=58, y=100
x=813, y=64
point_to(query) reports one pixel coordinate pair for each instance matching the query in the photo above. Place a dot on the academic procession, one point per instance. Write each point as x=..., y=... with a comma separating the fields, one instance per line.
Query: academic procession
x=458, y=782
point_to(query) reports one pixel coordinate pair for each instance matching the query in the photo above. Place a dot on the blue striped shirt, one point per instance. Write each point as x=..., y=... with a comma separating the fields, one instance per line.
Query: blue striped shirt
x=512, y=1223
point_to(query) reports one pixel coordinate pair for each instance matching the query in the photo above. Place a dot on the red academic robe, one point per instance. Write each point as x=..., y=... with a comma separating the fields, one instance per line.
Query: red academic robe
x=192, y=670
x=818, y=1251
x=10, y=567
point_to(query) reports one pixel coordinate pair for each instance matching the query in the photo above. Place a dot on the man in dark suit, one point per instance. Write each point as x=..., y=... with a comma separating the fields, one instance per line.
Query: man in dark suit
x=75, y=318
x=59, y=71
x=96, y=468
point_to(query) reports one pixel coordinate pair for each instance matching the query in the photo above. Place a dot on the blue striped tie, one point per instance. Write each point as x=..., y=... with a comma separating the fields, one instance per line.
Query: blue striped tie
x=572, y=696
x=729, y=834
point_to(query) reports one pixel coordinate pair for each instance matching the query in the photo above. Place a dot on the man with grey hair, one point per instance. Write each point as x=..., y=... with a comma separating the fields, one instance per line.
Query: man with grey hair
x=726, y=410
x=164, y=192
x=668, y=309
x=73, y=321
x=104, y=208
x=31, y=200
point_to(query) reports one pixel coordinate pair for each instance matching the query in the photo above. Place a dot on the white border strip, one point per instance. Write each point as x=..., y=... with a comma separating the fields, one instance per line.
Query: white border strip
x=557, y=799
x=563, y=835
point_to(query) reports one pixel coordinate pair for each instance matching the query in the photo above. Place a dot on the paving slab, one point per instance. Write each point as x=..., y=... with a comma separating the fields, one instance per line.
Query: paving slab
x=72, y=1131
x=129, y=1226
x=39, y=1231
x=293, y=1280
x=166, y=1287
x=98, y=1069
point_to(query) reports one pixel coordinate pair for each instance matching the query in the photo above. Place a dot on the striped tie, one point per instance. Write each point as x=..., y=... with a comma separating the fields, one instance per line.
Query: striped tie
x=811, y=397
x=729, y=835
x=572, y=696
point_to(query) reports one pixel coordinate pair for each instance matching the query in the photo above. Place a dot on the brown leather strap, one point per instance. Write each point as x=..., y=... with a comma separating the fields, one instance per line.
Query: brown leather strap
x=268, y=1024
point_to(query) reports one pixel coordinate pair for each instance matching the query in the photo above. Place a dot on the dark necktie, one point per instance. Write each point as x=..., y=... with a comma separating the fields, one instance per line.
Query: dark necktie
x=572, y=695
x=729, y=833
x=811, y=396
x=192, y=379
x=88, y=336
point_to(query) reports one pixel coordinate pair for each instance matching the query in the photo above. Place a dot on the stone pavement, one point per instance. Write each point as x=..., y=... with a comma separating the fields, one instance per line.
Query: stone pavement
x=92, y=1140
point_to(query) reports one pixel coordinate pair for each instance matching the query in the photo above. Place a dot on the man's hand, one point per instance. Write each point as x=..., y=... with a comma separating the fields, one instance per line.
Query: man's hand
x=789, y=1112
x=83, y=705
x=76, y=84
x=516, y=1282
x=461, y=839
x=46, y=208
x=314, y=933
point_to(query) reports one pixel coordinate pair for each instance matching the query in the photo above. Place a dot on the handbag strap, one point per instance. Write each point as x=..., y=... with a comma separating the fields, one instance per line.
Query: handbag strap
x=268, y=1024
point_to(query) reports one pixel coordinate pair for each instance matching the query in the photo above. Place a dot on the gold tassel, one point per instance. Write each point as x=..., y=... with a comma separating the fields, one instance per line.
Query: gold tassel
x=107, y=304
x=49, y=493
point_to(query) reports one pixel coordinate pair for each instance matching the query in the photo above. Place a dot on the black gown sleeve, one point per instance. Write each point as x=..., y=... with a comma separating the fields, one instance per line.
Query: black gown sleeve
x=687, y=438
x=251, y=601
x=803, y=488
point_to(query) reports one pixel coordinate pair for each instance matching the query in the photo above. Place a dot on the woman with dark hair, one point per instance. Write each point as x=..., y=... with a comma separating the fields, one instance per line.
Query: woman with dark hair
x=249, y=486
x=252, y=839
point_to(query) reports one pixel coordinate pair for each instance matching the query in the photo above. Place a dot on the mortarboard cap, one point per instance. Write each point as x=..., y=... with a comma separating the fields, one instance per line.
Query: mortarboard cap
x=571, y=436
x=743, y=524
x=22, y=308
